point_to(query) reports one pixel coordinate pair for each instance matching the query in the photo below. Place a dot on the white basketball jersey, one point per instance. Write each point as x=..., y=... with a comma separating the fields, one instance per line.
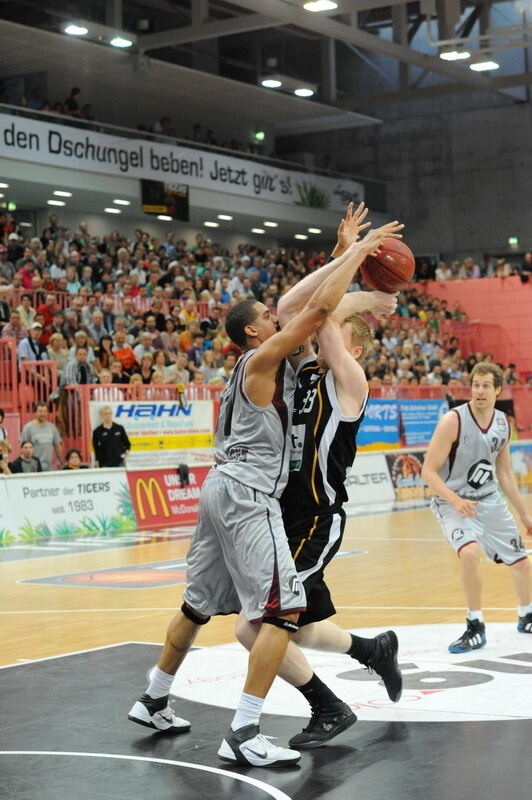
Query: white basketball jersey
x=470, y=467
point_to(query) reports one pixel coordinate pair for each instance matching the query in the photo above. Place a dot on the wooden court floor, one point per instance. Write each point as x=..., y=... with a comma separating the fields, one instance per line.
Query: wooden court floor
x=404, y=573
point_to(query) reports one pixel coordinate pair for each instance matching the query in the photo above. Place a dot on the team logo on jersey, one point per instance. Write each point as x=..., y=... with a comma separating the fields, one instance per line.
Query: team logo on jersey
x=480, y=473
x=294, y=584
x=237, y=453
x=457, y=534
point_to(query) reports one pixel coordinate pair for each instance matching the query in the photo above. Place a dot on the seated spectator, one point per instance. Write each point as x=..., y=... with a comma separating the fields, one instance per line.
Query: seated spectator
x=31, y=348
x=226, y=371
x=26, y=312
x=81, y=340
x=58, y=351
x=104, y=354
x=123, y=352
x=117, y=371
x=164, y=368
x=195, y=353
x=27, y=461
x=182, y=375
x=443, y=272
x=78, y=372
x=4, y=457
x=208, y=368
x=73, y=460
x=145, y=347
x=3, y=431
x=145, y=369
x=157, y=389
x=97, y=329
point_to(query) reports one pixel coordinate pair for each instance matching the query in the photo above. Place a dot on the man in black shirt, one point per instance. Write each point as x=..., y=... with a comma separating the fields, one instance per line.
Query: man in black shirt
x=110, y=441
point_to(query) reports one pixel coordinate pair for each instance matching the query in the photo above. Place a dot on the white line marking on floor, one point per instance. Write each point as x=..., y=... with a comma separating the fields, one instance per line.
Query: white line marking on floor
x=277, y=794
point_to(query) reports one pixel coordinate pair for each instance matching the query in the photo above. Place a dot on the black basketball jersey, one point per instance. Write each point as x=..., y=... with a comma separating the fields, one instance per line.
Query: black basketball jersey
x=322, y=445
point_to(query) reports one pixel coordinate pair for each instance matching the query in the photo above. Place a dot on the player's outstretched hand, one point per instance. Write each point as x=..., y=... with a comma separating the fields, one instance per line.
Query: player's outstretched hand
x=383, y=304
x=351, y=225
x=527, y=522
x=371, y=241
x=466, y=508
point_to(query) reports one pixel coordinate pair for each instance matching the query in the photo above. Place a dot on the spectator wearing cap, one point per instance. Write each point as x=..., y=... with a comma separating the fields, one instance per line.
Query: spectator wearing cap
x=31, y=348
x=27, y=461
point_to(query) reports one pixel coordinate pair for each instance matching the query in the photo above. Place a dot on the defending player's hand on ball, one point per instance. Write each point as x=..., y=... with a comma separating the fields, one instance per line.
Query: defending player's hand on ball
x=371, y=241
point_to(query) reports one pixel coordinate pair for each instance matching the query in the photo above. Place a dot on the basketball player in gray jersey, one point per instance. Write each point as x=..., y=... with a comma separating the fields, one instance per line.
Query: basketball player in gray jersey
x=239, y=556
x=467, y=461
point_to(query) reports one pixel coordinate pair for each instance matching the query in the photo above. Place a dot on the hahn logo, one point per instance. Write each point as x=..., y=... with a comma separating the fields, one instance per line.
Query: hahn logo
x=147, y=492
x=151, y=410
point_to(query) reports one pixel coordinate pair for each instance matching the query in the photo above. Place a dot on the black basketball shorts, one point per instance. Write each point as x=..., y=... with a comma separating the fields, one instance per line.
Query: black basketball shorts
x=314, y=541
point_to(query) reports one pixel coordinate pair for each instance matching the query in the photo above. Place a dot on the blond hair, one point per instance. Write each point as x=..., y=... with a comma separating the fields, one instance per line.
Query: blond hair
x=361, y=333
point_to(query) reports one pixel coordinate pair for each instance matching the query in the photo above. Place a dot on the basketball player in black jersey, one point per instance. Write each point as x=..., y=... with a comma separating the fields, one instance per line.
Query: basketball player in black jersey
x=328, y=409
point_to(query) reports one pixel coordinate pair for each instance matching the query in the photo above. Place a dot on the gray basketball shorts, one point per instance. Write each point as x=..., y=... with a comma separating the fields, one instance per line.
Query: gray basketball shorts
x=493, y=528
x=239, y=556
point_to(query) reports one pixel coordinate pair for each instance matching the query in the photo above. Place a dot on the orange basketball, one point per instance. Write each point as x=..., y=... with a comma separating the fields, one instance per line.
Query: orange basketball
x=391, y=269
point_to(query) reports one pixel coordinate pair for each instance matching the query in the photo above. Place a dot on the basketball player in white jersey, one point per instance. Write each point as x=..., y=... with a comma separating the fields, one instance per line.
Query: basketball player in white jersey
x=239, y=556
x=467, y=462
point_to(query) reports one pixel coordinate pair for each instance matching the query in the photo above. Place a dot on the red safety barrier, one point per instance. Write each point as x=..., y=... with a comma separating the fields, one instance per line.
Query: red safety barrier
x=8, y=375
x=38, y=381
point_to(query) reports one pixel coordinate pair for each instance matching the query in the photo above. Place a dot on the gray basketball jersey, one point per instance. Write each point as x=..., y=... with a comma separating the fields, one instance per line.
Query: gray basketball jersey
x=470, y=468
x=251, y=442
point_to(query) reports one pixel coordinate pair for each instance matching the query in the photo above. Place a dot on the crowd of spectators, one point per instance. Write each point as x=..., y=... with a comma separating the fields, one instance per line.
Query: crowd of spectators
x=116, y=311
x=489, y=266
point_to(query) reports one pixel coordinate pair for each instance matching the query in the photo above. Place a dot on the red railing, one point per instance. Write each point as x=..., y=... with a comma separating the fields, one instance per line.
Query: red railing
x=8, y=375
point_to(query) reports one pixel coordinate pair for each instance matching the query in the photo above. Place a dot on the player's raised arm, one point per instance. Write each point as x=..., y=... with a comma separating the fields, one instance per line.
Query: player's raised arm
x=348, y=232
x=508, y=483
x=262, y=367
x=380, y=304
x=349, y=377
x=443, y=438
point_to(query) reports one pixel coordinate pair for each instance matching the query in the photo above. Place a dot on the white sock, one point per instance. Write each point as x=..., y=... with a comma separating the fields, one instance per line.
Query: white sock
x=472, y=615
x=160, y=683
x=524, y=610
x=248, y=711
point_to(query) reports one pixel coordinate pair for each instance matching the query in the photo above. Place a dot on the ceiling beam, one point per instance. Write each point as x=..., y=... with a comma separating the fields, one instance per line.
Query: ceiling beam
x=293, y=15
x=429, y=92
x=207, y=30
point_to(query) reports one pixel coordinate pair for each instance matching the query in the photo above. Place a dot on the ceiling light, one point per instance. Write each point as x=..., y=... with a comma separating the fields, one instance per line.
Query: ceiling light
x=4, y=185
x=259, y=136
x=227, y=217
x=271, y=83
x=301, y=236
x=164, y=218
x=314, y=230
x=271, y=224
x=212, y=224
x=56, y=202
x=483, y=66
x=111, y=210
x=258, y=230
x=122, y=202
x=119, y=41
x=76, y=30
x=2, y=195
x=320, y=5
x=25, y=224
x=62, y=194
x=455, y=55
x=303, y=92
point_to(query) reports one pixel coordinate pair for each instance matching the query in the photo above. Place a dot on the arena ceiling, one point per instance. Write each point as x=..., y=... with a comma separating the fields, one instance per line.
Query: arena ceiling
x=401, y=44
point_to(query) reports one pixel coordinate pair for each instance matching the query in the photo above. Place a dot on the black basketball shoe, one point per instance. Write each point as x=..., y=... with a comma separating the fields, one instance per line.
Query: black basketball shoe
x=384, y=663
x=473, y=638
x=324, y=725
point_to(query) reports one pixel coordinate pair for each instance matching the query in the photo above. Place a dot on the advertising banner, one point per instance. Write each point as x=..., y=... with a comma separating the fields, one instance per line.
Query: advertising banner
x=70, y=502
x=164, y=431
x=522, y=463
x=405, y=471
x=160, y=499
x=380, y=427
x=82, y=149
x=6, y=519
x=419, y=418
x=369, y=480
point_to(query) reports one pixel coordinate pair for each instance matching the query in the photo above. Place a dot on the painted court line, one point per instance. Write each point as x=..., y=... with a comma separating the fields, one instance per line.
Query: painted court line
x=174, y=608
x=270, y=790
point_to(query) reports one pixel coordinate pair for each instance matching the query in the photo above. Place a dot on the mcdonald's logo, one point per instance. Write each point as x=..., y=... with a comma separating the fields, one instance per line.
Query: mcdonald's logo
x=149, y=491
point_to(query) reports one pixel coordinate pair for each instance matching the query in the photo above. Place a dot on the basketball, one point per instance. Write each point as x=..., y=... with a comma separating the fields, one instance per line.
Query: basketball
x=391, y=269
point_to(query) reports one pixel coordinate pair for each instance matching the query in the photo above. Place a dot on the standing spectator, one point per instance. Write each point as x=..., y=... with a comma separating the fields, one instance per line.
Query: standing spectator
x=71, y=104
x=78, y=372
x=44, y=437
x=58, y=351
x=27, y=461
x=31, y=348
x=110, y=441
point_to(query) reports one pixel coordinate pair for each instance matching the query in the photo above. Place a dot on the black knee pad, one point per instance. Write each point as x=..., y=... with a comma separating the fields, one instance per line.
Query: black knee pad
x=193, y=616
x=283, y=623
